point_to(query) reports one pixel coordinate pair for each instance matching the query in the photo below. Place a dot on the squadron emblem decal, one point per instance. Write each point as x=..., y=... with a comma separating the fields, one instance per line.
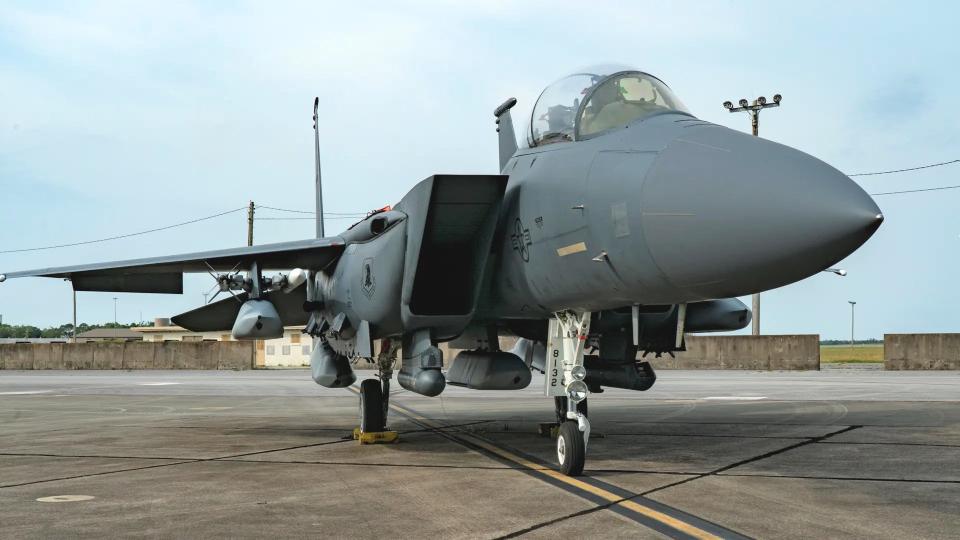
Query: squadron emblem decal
x=521, y=240
x=369, y=283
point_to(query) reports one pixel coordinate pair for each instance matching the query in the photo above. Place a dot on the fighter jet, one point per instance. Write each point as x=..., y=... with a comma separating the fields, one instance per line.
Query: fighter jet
x=620, y=223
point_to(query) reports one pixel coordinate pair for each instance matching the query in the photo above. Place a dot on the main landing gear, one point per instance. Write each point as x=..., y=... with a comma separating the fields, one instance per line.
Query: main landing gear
x=375, y=400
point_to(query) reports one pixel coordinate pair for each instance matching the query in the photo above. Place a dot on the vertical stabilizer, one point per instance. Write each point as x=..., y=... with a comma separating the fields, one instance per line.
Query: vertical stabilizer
x=508, y=141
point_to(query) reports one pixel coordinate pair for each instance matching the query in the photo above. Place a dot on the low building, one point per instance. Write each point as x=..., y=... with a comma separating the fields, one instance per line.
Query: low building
x=108, y=334
x=291, y=350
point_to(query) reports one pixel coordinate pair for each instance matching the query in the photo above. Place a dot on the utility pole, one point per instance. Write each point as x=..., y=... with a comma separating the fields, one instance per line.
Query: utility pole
x=250, y=211
x=852, y=309
x=114, y=310
x=316, y=141
x=74, y=338
x=754, y=109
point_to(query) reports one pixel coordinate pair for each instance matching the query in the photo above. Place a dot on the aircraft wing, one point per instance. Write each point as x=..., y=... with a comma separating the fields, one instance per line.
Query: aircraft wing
x=165, y=274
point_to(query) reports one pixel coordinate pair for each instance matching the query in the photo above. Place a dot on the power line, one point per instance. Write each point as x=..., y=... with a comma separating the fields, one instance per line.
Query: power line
x=905, y=170
x=915, y=190
x=158, y=229
x=302, y=218
x=351, y=214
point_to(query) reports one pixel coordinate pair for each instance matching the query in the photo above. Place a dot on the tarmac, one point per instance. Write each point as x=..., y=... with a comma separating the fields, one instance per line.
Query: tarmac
x=839, y=453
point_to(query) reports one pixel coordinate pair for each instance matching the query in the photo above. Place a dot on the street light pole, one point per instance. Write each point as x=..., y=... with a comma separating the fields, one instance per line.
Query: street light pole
x=319, y=184
x=754, y=110
x=852, y=309
x=251, y=208
x=114, y=310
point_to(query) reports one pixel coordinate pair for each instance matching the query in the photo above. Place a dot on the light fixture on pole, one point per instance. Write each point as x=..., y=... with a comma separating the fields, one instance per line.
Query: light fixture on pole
x=754, y=110
x=852, y=309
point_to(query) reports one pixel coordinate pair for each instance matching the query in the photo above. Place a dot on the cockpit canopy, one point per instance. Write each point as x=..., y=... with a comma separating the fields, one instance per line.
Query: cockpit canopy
x=596, y=100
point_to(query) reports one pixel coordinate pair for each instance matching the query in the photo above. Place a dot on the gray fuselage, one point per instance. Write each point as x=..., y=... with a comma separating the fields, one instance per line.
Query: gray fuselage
x=668, y=209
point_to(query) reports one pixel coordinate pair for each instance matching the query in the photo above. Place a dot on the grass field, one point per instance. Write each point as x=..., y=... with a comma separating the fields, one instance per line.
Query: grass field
x=832, y=354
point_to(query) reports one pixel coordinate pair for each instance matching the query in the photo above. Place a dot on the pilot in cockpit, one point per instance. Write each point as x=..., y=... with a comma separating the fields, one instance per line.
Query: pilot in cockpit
x=618, y=101
x=594, y=101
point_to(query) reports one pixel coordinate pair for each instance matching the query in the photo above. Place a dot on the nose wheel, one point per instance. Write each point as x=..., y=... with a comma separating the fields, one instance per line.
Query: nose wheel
x=571, y=450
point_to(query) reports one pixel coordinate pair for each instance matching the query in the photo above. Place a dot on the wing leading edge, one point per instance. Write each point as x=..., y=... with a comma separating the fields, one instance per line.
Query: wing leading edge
x=165, y=274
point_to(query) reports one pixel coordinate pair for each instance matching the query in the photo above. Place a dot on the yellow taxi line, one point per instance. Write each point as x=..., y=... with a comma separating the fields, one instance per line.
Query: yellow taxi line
x=670, y=521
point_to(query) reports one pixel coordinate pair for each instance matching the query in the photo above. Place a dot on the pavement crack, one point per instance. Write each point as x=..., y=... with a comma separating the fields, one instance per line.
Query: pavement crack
x=742, y=462
x=94, y=456
x=894, y=443
x=184, y=462
x=787, y=437
x=355, y=464
x=784, y=449
x=98, y=474
x=842, y=478
x=592, y=509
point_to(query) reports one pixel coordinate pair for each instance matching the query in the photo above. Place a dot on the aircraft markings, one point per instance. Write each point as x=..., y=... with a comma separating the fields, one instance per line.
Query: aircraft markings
x=571, y=249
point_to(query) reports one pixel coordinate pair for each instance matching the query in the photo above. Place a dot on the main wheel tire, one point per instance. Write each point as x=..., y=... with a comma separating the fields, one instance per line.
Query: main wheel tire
x=372, y=417
x=571, y=452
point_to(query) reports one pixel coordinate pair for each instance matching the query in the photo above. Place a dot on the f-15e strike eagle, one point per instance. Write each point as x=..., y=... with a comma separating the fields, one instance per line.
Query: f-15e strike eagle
x=621, y=223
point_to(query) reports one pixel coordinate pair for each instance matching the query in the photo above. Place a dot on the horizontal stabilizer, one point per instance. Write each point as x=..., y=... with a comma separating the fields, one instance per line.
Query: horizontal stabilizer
x=219, y=316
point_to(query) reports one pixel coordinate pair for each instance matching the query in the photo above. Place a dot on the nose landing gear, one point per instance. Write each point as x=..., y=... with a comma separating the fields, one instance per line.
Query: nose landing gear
x=567, y=335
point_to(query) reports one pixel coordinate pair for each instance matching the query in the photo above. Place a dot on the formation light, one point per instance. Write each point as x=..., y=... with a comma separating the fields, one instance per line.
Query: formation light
x=577, y=391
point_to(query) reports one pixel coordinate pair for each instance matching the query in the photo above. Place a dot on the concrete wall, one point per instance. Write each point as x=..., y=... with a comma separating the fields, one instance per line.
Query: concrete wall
x=131, y=355
x=792, y=352
x=921, y=351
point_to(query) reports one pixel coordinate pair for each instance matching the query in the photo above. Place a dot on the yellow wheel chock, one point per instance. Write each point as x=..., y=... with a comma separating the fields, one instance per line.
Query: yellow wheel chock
x=375, y=437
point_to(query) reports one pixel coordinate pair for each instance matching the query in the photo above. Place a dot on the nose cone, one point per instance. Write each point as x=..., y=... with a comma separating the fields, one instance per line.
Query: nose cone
x=727, y=214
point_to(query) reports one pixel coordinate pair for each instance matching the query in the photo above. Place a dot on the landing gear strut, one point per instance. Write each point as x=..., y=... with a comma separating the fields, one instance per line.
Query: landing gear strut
x=560, y=407
x=566, y=338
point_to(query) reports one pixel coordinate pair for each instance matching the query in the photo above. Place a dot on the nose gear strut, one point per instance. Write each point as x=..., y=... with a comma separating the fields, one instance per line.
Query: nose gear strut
x=566, y=339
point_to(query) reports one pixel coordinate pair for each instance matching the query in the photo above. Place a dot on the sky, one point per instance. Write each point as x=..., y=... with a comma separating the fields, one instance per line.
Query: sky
x=117, y=117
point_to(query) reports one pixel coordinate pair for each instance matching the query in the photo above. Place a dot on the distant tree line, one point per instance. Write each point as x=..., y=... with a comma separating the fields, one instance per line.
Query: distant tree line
x=872, y=341
x=62, y=331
